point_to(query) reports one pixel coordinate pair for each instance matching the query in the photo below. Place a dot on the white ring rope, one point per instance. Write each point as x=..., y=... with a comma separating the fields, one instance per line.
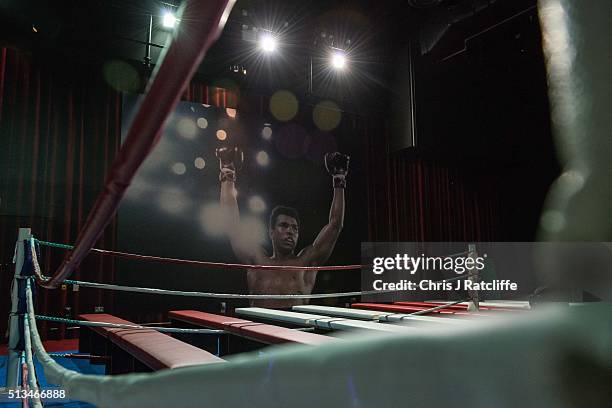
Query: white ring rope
x=108, y=286
x=128, y=326
x=53, y=371
x=32, y=381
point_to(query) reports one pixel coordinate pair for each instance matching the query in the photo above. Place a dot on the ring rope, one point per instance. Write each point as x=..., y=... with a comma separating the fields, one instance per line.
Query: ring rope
x=71, y=355
x=32, y=381
x=435, y=309
x=54, y=372
x=161, y=259
x=127, y=326
x=456, y=254
x=106, y=286
x=97, y=285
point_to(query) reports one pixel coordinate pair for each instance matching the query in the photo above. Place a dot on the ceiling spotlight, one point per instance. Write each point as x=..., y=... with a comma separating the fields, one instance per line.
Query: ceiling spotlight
x=338, y=59
x=169, y=20
x=267, y=42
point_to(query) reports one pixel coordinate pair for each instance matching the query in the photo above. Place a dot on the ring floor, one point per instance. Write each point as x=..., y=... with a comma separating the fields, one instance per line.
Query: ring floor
x=81, y=366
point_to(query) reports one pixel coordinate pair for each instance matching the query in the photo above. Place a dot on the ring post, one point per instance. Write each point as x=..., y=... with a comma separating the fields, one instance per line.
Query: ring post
x=473, y=305
x=14, y=352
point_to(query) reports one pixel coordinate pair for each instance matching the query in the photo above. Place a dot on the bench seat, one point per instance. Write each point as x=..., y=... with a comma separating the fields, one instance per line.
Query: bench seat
x=261, y=332
x=152, y=348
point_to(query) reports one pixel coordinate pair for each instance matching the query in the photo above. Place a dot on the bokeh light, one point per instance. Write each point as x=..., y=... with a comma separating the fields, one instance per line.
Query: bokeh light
x=202, y=123
x=262, y=158
x=186, y=127
x=266, y=133
x=257, y=204
x=283, y=105
x=326, y=115
x=231, y=112
x=221, y=134
x=179, y=168
x=199, y=163
x=121, y=76
x=214, y=219
x=173, y=200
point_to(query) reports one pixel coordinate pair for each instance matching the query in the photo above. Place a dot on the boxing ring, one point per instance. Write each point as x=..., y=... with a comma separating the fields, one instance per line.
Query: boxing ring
x=373, y=367
x=522, y=361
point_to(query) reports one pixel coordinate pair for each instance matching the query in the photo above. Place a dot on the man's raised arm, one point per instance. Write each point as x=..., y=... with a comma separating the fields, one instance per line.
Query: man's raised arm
x=322, y=247
x=229, y=159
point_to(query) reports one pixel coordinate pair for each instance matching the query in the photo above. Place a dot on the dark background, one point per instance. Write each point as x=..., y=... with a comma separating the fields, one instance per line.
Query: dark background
x=444, y=112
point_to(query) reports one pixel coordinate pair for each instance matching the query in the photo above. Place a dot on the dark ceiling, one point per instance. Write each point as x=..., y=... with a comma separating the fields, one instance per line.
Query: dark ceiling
x=97, y=31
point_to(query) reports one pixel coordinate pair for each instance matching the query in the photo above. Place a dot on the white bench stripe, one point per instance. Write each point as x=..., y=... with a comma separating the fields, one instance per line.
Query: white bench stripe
x=319, y=321
x=508, y=304
x=378, y=315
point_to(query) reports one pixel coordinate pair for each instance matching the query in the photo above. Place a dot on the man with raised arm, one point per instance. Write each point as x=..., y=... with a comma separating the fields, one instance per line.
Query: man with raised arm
x=283, y=230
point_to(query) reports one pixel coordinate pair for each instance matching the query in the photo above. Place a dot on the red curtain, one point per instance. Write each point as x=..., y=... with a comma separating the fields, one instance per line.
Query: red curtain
x=413, y=199
x=60, y=131
x=60, y=128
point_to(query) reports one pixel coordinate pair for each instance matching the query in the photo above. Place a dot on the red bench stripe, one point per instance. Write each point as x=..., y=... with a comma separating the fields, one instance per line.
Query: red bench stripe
x=155, y=349
x=265, y=333
x=453, y=307
x=404, y=309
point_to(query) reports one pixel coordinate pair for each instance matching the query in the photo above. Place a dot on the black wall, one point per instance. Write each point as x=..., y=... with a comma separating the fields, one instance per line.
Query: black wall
x=481, y=104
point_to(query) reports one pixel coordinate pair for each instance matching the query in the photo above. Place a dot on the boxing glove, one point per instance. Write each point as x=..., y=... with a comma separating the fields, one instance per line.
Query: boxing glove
x=337, y=166
x=230, y=160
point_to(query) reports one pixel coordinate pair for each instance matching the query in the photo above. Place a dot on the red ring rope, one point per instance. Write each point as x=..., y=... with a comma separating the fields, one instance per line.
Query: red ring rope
x=225, y=265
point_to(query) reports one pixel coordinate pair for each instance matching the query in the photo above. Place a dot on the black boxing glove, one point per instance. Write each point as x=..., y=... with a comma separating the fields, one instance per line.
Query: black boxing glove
x=337, y=166
x=230, y=160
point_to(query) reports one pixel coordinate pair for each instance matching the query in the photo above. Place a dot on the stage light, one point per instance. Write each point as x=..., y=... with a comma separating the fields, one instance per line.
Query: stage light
x=169, y=20
x=338, y=59
x=267, y=42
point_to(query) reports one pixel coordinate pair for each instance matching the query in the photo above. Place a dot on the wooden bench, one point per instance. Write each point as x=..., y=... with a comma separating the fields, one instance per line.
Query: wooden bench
x=260, y=332
x=138, y=349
